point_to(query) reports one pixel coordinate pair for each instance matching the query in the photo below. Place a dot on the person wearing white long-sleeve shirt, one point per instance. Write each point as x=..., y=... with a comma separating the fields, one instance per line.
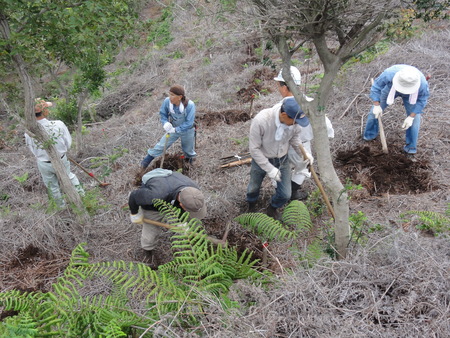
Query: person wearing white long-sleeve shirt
x=62, y=139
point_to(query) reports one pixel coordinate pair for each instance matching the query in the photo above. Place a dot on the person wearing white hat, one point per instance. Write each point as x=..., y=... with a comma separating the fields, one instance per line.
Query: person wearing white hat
x=411, y=85
x=300, y=170
x=60, y=135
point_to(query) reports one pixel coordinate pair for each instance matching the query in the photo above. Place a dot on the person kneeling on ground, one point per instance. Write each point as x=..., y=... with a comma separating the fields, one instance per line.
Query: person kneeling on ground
x=169, y=186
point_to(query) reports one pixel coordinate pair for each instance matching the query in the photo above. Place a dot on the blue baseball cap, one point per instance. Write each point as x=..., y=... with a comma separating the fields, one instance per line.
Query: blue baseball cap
x=293, y=110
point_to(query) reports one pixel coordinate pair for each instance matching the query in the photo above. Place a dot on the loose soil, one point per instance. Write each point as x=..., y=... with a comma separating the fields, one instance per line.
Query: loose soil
x=379, y=173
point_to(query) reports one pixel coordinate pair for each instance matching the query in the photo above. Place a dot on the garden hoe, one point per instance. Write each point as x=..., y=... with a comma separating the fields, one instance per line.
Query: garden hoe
x=213, y=240
x=101, y=184
x=316, y=179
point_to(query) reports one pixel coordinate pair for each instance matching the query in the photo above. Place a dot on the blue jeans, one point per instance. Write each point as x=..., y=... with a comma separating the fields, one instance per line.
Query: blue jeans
x=282, y=192
x=187, y=144
x=412, y=133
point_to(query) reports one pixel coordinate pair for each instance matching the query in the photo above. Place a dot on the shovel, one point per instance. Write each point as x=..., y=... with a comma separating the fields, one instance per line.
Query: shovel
x=382, y=136
x=164, y=151
x=101, y=184
x=316, y=179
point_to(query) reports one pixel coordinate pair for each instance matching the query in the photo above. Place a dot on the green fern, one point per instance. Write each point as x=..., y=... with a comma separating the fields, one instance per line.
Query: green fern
x=71, y=309
x=296, y=216
x=19, y=326
x=429, y=220
x=265, y=226
x=314, y=251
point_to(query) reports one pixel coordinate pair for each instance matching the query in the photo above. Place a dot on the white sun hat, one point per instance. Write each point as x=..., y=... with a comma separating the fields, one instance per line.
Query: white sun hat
x=407, y=80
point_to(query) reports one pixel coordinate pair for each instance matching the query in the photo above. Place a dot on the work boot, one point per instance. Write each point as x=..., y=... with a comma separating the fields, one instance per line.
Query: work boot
x=150, y=259
x=251, y=207
x=297, y=193
x=273, y=212
x=146, y=161
x=190, y=161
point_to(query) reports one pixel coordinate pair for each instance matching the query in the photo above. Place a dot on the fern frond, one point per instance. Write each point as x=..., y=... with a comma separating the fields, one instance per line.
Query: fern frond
x=314, y=252
x=265, y=226
x=172, y=214
x=296, y=216
x=430, y=220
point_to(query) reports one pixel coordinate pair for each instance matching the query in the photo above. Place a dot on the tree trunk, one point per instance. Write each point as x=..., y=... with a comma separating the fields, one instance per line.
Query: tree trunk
x=81, y=98
x=322, y=144
x=39, y=132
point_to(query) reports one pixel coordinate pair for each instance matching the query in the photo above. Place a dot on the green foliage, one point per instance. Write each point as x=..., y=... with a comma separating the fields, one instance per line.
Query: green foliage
x=160, y=34
x=242, y=141
x=19, y=326
x=348, y=186
x=228, y=5
x=72, y=310
x=66, y=111
x=92, y=201
x=106, y=163
x=369, y=54
x=357, y=223
x=22, y=179
x=403, y=27
x=431, y=9
x=50, y=33
x=4, y=197
x=296, y=216
x=177, y=55
x=264, y=226
x=314, y=251
x=315, y=203
x=435, y=222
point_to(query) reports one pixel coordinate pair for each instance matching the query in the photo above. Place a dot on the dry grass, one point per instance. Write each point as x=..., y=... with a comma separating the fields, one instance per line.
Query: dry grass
x=396, y=286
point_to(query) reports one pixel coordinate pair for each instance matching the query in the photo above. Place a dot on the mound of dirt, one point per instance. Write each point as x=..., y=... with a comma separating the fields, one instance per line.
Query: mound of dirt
x=393, y=173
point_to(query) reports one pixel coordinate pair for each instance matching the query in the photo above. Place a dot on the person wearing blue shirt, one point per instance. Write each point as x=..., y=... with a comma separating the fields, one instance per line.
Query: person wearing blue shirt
x=177, y=115
x=411, y=85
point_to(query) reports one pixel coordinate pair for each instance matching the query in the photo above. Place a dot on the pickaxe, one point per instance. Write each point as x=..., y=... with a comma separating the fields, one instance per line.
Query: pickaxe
x=102, y=184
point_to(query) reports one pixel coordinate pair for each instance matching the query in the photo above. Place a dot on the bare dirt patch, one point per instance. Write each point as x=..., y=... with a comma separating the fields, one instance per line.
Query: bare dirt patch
x=393, y=173
x=31, y=269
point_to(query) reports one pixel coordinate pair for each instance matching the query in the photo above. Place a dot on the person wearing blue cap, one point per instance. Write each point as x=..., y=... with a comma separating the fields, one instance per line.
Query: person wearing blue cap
x=272, y=131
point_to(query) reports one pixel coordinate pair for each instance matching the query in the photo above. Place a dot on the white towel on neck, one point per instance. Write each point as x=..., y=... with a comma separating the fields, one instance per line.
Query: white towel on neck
x=391, y=97
x=171, y=107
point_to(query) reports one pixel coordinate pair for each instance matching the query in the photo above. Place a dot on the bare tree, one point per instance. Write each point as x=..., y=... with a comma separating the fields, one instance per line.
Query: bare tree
x=338, y=29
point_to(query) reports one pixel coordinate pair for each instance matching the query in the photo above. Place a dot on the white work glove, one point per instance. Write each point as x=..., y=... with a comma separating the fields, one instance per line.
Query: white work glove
x=377, y=111
x=309, y=159
x=275, y=174
x=408, y=122
x=171, y=130
x=167, y=126
x=138, y=218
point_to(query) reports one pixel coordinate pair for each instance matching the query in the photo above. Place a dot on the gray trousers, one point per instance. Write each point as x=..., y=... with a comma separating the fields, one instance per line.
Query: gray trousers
x=50, y=179
x=150, y=232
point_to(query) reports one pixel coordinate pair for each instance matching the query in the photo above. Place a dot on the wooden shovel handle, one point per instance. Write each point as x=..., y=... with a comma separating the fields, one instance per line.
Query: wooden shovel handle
x=382, y=136
x=316, y=179
x=168, y=226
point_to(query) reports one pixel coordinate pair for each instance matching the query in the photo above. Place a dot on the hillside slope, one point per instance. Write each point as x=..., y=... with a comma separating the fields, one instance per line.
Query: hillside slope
x=218, y=70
